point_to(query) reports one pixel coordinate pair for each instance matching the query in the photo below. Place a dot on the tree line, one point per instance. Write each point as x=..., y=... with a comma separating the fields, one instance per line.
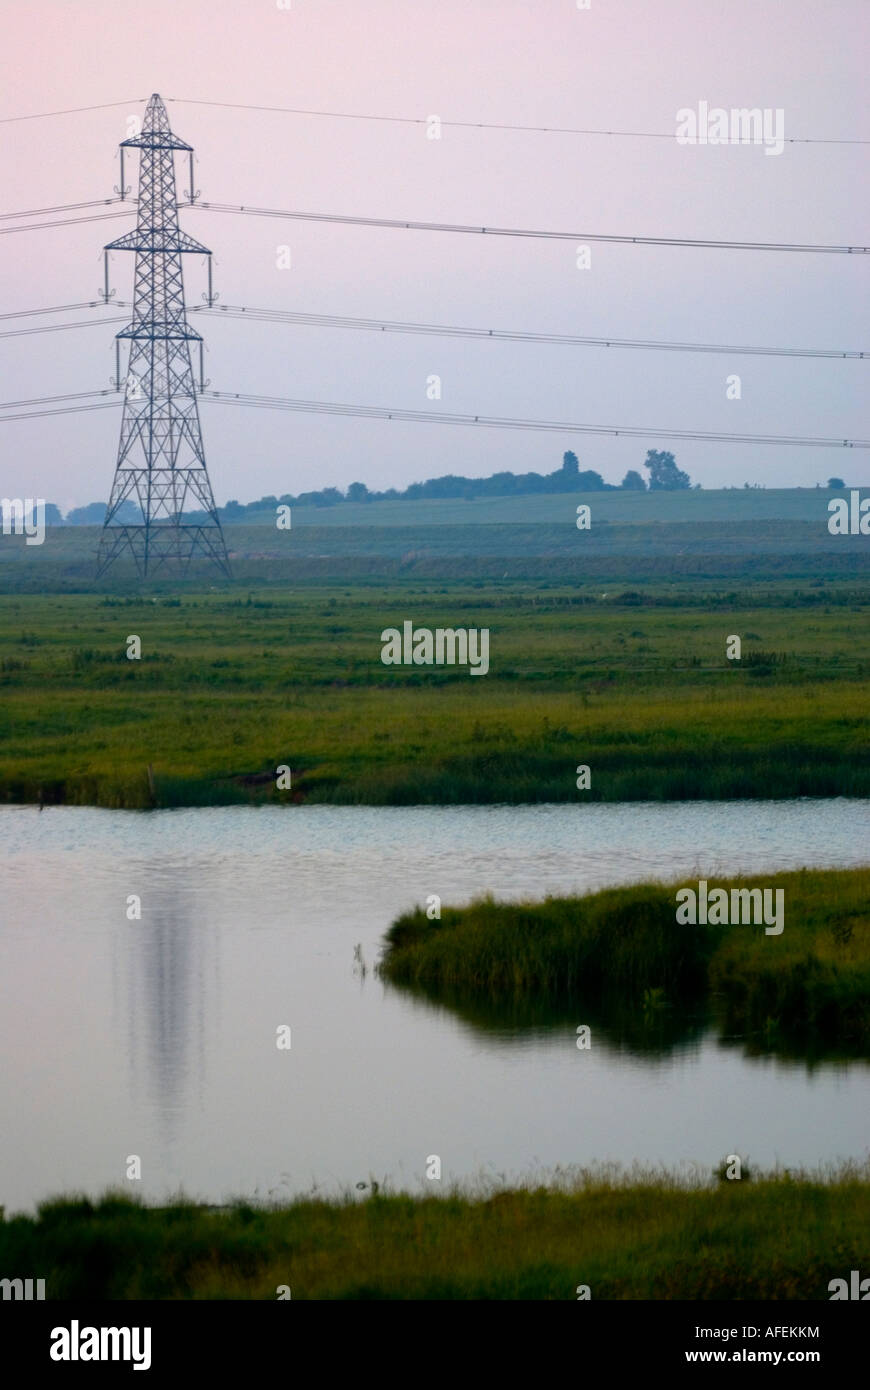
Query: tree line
x=660, y=464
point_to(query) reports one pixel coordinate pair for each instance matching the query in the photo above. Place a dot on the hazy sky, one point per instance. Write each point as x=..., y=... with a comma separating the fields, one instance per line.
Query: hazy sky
x=622, y=64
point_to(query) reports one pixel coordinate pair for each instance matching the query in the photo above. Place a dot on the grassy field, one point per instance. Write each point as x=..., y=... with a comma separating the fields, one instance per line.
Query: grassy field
x=773, y=1237
x=607, y=649
x=635, y=684
x=809, y=985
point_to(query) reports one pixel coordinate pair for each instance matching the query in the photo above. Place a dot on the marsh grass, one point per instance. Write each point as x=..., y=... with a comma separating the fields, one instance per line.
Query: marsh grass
x=811, y=984
x=232, y=685
x=638, y=1235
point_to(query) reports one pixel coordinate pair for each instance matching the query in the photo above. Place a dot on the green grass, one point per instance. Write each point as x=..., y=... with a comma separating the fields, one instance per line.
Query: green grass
x=634, y=683
x=650, y=1236
x=806, y=989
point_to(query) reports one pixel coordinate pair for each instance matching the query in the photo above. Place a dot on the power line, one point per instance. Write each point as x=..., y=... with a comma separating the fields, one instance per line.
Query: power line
x=71, y=110
x=239, y=311
x=375, y=412
x=62, y=410
x=407, y=120
x=66, y=221
x=50, y=400
x=63, y=207
x=55, y=309
x=481, y=125
x=333, y=217
x=497, y=422
x=396, y=224
x=59, y=327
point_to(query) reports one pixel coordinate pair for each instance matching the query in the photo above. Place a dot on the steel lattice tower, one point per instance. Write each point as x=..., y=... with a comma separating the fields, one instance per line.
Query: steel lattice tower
x=161, y=459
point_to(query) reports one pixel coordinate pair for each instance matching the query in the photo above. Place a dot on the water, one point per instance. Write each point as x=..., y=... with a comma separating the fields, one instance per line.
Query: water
x=157, y=1037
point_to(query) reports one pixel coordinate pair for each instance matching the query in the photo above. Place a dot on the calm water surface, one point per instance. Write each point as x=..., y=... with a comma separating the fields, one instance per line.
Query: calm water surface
x=157, y=1037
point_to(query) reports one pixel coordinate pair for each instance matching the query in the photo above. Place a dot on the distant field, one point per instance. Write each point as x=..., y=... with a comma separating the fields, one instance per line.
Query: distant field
x=540, y=552
x=634, y=683
x=727, y=505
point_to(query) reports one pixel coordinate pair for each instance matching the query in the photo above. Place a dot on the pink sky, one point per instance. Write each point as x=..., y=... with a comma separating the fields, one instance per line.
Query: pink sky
x=624, y=64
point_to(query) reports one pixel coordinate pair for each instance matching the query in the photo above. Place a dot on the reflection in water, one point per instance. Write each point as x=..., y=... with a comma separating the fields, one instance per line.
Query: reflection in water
x=807, y=1050
x=161, y=964
x=650, y=1030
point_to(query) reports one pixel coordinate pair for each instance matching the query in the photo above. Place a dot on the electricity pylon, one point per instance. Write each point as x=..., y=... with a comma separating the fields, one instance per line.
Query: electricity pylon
x=161, y=459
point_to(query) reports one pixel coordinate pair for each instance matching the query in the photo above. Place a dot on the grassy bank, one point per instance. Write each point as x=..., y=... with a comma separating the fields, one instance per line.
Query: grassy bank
x=632, y=682
x=811, y=982
x=775, y=1237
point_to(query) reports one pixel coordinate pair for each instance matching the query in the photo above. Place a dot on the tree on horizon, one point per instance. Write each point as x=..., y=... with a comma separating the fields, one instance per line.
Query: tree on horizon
x=633, y=481
x=664, y=475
